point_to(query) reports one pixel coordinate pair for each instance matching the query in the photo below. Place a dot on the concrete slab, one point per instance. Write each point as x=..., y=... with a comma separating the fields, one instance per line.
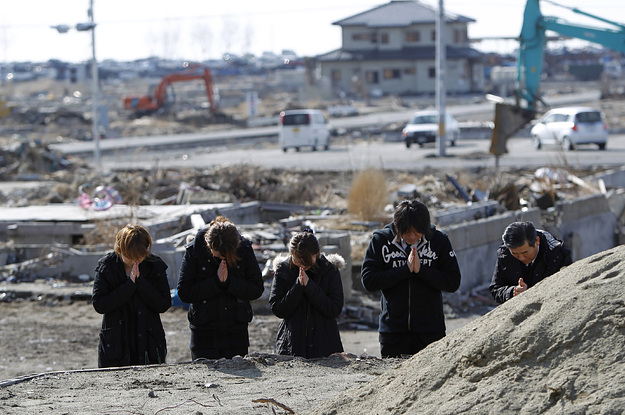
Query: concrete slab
x=612, y=179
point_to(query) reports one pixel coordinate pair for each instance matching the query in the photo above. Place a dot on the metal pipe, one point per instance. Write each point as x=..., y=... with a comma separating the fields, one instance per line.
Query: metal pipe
x=441, y=57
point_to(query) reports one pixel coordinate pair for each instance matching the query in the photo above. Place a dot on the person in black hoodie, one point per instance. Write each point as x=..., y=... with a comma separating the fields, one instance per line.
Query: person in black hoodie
x=526, y=257
x=412, y=263
x=219, y=276
x=307, y=294
x=131, y=290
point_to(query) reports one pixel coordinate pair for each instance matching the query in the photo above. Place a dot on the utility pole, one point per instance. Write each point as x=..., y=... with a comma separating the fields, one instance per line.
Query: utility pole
x=95, y=131
x=441, y=58
x=84, y=27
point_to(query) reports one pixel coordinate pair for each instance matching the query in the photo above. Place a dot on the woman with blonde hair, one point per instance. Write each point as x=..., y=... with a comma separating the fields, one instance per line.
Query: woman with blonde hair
x=131, y=290
x=219, y=277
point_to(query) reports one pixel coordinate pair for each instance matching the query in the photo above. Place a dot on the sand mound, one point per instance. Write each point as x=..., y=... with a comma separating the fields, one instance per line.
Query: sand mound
x=558, y=348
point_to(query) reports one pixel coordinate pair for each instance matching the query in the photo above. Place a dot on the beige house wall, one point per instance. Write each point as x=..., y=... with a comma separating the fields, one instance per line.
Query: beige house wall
x=402, y=76
x=415, y=77
x=397, y=37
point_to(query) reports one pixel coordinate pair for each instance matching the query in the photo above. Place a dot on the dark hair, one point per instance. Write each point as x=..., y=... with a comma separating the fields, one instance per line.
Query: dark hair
x=412, y=214
x=223, y=236
x=517, y=233
x=133, y=242
x=304, y=246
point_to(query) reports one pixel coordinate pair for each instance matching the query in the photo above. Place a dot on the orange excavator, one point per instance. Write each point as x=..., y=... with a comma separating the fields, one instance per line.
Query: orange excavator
x=148, y=104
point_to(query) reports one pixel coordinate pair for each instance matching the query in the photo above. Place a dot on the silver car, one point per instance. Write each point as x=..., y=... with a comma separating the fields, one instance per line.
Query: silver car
x=423, y=128
x=569, y=127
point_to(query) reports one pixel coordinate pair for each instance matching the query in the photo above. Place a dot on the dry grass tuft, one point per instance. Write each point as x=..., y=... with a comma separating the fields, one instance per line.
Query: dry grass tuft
x=368, y=195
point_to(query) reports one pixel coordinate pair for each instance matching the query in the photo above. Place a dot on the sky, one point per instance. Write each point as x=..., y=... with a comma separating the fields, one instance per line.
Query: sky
x=206, y=29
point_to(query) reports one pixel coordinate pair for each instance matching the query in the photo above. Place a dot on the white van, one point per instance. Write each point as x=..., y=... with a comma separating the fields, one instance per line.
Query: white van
x=303, y=128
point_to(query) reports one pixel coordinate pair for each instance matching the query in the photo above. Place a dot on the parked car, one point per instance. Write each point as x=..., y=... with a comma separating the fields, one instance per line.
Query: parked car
x=569, y=127
x=303, y=128
x=423, y=126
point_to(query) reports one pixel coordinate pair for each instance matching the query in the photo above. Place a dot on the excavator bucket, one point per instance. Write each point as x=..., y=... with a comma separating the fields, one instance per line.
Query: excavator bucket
x=508, y=120
x=4, y=108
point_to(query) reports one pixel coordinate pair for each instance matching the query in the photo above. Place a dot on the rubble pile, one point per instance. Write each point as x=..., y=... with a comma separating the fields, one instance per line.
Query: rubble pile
x=63, y=180
x=24, y=160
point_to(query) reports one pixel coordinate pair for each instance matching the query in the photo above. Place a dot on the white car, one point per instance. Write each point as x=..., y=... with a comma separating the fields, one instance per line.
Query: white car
x=423, y=126
x=569, y=127
x=303, y=128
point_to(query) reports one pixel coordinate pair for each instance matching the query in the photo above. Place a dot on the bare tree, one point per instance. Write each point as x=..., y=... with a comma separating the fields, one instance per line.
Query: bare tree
x=229, y=34
x=203, y=37
x=165, y=41
x=248, y=37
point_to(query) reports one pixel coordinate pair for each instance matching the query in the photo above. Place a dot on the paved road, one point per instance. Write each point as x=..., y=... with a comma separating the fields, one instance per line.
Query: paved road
x=258, y=146
x=376, y=153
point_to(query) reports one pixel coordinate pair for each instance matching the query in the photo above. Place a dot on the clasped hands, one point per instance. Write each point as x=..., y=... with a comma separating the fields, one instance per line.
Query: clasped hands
x=134, y=272
x=519, y=288
x=222, y=271
x=302, y=278
x=414, y=262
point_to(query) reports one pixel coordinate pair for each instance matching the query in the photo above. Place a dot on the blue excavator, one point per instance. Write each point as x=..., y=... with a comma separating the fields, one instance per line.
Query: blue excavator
x=509, y=118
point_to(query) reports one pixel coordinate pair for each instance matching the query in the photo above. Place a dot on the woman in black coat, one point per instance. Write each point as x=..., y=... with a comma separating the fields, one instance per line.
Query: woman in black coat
x=131, y=290
x=307, y=293
x=219, y=276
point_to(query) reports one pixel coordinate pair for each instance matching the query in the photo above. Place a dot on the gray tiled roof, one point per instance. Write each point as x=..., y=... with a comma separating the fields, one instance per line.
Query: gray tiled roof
x=409, y=53
x=399, y=13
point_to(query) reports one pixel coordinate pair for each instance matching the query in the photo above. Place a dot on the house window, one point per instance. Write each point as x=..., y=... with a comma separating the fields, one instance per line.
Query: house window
x=413, y=36
x=433, y=35
x=432, y=72
x=336, y=74
x=460, y=35
x=372, y=77
x=384, y=38
x=374, y=37
x=392, y=74
x=410, y=71
x=360, y=36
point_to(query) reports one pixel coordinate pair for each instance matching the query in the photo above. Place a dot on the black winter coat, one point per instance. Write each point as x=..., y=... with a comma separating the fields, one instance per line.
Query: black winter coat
x=309, y=328
x=552, y=256
x=411, y=302
x=221, y=311
x=132, y=332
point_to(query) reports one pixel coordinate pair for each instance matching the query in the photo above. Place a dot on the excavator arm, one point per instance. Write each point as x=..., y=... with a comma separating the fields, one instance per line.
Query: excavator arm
x=510, y=118
x=152, y=103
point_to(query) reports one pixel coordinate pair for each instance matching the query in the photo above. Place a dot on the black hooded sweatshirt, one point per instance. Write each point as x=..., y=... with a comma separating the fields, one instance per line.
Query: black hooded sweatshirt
x=410, y=302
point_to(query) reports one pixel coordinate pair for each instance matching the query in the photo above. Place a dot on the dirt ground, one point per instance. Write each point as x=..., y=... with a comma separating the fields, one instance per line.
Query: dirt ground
x=56, y=329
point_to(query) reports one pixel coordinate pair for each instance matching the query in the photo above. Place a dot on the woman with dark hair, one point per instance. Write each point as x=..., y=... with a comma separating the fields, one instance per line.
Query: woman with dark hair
x=131, y=290
x=412, y=263
x=219, y=277
x=307, y=294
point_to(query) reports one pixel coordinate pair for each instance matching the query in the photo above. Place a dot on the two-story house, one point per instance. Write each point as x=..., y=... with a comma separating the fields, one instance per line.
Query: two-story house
x=392, y=49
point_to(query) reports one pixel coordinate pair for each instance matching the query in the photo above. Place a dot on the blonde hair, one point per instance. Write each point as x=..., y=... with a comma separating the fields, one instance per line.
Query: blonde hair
x=133, y=242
